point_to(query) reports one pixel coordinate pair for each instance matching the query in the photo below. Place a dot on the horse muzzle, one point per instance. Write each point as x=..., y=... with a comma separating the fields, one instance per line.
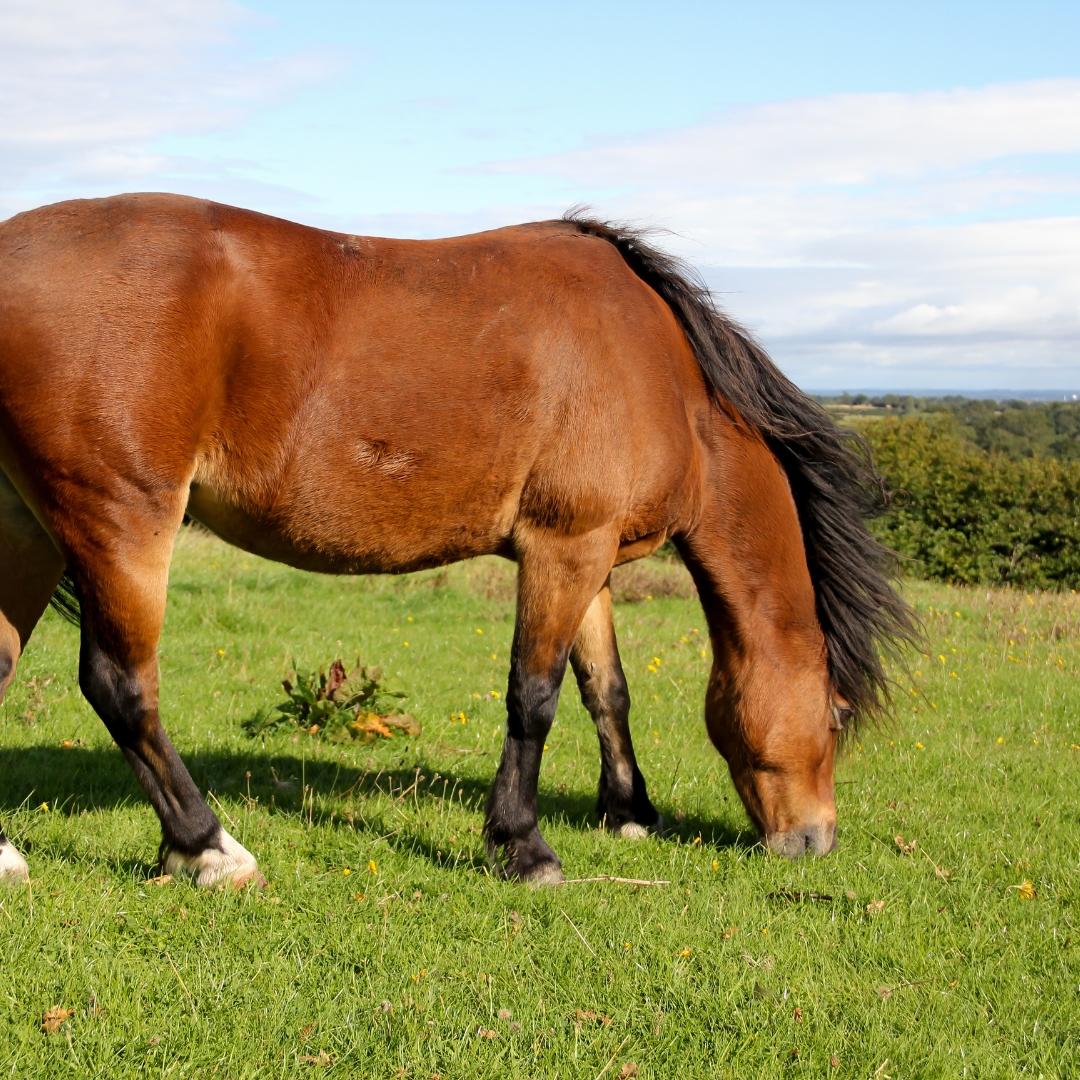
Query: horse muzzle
x=816, y=839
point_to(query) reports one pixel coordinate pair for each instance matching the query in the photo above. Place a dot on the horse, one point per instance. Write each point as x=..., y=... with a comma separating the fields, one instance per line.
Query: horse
x=562, y=393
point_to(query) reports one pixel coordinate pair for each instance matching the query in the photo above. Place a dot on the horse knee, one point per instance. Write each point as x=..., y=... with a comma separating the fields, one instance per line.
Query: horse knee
x=531, y=703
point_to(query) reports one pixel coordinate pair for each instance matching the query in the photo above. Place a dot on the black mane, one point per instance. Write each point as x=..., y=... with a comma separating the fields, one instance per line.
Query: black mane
x=829, y=469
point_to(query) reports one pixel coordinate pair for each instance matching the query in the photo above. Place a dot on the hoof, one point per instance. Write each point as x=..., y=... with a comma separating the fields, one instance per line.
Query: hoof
x=634, y=830
x=544, y=874
x=13, y=868
x=225, y=865
x=531, y=861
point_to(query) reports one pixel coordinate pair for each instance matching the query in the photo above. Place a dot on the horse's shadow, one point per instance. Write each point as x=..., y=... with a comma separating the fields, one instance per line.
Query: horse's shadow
x=321, y=790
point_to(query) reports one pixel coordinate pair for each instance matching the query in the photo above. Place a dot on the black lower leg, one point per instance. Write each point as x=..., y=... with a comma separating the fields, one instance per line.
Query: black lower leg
x=531, y=702
x=622, y=795
x=128, y=707
x=623, y=799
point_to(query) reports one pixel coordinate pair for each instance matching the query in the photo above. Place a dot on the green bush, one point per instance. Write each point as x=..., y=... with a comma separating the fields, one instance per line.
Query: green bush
x=963, y=515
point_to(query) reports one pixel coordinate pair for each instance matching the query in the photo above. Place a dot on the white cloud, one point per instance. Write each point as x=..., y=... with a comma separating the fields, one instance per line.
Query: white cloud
x=883, y=237
x=840, y=140
x=87, y=88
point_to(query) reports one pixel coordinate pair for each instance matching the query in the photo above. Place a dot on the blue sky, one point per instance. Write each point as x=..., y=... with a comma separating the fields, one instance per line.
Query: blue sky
x=888, y=194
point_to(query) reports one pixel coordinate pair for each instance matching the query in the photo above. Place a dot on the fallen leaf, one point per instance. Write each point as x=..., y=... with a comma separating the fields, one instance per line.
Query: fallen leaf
x=834, y=1062
x=587, y=1015
x=161, y=879
x=56, y=1016
x=628, y=1070
x=904, y=847
x=371, y=725
x=305, y=1033
x=730, y=930
x=875, y=907
x=798, y=1015
x=322, y=1059
x=487, y=1033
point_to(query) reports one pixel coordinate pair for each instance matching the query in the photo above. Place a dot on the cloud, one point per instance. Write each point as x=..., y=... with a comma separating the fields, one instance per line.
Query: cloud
x=874, y=236
x=839, y=140
x=87, y=88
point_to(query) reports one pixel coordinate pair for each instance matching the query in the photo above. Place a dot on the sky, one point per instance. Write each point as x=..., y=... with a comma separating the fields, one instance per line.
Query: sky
x=887, y=194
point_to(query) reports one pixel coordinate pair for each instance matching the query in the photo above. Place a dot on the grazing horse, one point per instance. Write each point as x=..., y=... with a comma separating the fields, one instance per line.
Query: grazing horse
x=561, y=393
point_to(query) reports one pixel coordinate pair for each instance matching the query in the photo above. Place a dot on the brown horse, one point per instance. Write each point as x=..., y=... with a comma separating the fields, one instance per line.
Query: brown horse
x=561, y=393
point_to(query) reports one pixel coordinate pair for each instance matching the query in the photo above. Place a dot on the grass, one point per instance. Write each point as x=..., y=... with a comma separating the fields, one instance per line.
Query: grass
x=384, y=948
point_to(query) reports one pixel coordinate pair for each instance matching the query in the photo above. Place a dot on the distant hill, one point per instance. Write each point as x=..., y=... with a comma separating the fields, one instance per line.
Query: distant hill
x=1016, y=429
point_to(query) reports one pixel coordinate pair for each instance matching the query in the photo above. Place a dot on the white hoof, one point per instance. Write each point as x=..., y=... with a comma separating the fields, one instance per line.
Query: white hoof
x=13, y=868
x=633, y=830
x=226, y=865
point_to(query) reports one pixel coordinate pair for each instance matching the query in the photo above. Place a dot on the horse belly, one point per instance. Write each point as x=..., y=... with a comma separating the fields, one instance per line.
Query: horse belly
x=361, y=527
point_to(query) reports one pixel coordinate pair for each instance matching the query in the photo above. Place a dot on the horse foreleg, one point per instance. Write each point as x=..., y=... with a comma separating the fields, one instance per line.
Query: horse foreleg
x=623, y=803
x=123, y=606
x=557, y=580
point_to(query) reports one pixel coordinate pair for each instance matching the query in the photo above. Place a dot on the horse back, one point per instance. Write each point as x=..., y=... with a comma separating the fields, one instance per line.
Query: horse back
x=338, y=402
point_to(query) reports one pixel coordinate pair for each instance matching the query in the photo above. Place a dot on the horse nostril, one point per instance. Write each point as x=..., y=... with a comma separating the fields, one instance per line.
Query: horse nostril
x=794, y=843
x=821, y=839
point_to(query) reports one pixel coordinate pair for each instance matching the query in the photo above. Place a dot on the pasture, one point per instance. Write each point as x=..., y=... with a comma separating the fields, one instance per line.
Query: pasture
x=384, y=947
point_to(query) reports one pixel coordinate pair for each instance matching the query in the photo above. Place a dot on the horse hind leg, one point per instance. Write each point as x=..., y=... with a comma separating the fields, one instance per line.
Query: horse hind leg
x=32, y=568
x=123, y=606
x=623, y=802
x=557, y=579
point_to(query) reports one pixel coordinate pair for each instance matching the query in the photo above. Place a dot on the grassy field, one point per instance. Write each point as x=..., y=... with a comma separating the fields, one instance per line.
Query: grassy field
x=384, y=948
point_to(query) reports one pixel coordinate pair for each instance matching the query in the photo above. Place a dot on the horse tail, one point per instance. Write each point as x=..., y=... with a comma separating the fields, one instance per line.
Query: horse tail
x=65, y=600
x=829, y=469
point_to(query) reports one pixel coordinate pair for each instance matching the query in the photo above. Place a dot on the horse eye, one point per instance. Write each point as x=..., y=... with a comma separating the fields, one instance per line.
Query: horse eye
x=841, y=717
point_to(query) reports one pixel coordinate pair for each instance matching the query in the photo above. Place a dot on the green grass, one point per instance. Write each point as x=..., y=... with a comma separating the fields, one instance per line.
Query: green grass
x=956, y=975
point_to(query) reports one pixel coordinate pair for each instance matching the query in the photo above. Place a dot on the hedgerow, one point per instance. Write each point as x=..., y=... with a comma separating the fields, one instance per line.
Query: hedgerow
x=963, y=515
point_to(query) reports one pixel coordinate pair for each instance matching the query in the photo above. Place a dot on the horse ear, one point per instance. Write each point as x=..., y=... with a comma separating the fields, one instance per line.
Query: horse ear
x=840, y=714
